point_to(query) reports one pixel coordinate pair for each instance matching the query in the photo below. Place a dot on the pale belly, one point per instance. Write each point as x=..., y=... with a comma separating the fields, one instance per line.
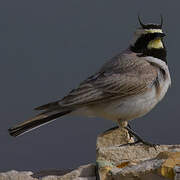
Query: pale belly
x=126, y=109
x=129, y=108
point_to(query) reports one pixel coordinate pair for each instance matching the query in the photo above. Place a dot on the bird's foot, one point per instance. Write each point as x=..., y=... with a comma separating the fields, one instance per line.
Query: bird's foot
x=144, y=142
x=139, y=139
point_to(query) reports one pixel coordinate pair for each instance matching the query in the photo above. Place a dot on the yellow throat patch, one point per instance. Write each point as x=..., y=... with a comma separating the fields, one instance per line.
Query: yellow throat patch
x=156, y=44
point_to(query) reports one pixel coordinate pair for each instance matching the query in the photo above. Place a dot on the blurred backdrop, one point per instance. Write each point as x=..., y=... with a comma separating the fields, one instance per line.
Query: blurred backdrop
x=47, y=48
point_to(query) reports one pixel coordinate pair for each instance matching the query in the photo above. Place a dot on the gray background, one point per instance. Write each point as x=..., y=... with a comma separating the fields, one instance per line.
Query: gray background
x=47, y=48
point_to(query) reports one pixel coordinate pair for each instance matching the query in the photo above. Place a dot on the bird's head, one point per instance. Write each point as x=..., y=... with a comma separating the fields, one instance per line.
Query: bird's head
x=148, y=40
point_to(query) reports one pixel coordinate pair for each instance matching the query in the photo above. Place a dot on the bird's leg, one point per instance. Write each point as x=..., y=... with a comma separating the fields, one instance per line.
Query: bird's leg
x=116, y=127
x=131, y=136
x=139, y=139
x=125, y=125
x=129, y=126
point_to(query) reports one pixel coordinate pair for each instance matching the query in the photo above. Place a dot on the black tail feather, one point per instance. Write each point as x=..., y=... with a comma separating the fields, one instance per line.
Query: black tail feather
x=47, y=106
x=35, y=122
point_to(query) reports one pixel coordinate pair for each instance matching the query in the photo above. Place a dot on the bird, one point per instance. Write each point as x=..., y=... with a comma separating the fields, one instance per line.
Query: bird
x=128, y=86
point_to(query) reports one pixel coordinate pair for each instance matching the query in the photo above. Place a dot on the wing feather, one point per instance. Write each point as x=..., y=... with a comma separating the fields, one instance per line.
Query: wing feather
x=114, y=80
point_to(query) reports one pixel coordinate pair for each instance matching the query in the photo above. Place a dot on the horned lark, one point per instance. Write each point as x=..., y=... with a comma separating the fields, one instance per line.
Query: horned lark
x=127, y=86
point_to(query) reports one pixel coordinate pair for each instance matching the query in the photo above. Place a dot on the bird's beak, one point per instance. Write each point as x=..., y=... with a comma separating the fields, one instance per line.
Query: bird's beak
x=161, y=35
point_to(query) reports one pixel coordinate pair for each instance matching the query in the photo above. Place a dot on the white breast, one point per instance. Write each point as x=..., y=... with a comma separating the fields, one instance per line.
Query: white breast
x=165, y=81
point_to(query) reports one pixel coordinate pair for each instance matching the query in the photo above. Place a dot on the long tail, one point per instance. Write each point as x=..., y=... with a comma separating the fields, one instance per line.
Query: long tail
x=37, y=121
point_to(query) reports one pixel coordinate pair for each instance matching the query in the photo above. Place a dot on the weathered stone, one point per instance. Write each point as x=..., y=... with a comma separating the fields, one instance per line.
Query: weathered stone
x=86, y=172
x=152, y=169
x=172, y=160
x=44, y=173
x=144, y=170
x=131, y=162
x=117, y=155
x=113, y=138
x=177, y=172
x=104, y=169
x=15, y=175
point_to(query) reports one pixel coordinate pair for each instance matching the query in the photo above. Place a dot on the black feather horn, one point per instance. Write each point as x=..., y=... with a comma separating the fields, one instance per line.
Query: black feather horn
x=151, y=26
x=161, y=24
x=140, y=22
